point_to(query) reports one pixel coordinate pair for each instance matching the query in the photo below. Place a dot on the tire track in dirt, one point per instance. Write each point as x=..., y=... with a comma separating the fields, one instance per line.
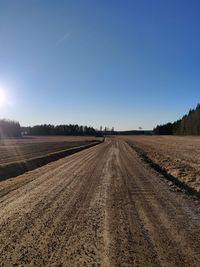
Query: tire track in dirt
x=57, y=203
x=99, y=207
x=164, y=216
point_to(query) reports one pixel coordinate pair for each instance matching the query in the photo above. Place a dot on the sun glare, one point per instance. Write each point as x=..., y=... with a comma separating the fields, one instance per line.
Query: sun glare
x=2, y=97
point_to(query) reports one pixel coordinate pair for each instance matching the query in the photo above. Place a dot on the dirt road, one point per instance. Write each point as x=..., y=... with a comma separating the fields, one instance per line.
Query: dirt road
x=99, y=207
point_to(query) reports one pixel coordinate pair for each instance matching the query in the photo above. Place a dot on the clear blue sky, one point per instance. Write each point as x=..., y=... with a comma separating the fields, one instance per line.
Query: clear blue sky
x=116, y=63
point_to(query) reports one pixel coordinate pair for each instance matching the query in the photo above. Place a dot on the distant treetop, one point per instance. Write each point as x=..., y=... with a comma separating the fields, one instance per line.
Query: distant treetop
x=189, y=124
x=9, y=128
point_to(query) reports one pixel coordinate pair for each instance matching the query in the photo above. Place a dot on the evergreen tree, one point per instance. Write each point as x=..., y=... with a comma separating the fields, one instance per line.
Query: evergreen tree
x=188, y=125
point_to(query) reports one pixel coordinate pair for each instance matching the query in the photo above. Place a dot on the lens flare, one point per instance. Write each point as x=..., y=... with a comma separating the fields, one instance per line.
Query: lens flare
x=2, y=97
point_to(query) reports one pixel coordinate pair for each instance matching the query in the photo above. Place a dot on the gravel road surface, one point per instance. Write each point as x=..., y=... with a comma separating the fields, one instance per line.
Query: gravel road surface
x=99, y=207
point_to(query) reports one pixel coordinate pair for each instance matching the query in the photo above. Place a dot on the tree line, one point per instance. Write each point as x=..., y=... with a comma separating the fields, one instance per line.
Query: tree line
x=63, y=129
x=189, y=124
x=9, y=128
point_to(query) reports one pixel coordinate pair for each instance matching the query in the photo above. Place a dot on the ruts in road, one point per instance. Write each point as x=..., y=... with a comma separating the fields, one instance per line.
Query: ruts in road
x=99, y=207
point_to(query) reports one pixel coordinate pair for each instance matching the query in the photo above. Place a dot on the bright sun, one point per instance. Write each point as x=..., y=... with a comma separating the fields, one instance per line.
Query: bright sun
x=2, y=97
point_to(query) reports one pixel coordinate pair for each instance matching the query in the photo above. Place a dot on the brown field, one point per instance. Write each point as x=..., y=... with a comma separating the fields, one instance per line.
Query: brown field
x=16, y=150
x=102, y=206
x=25, y=154
x=178, y=155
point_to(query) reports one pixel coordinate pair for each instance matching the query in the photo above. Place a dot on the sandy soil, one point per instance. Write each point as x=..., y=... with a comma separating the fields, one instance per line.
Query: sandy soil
x=179, y=156
x=100, y=207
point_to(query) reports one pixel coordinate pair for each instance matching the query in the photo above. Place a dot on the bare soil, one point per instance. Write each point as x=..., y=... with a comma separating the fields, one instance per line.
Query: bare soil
x=179, y=156
x=23, y=149
x=99, y=207
x=21, y=155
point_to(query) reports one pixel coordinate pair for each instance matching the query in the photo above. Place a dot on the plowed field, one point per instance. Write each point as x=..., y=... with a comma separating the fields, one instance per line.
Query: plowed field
x=22, y=149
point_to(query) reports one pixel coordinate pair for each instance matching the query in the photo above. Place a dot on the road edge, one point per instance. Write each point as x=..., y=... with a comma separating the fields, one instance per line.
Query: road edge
x=181, y=185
